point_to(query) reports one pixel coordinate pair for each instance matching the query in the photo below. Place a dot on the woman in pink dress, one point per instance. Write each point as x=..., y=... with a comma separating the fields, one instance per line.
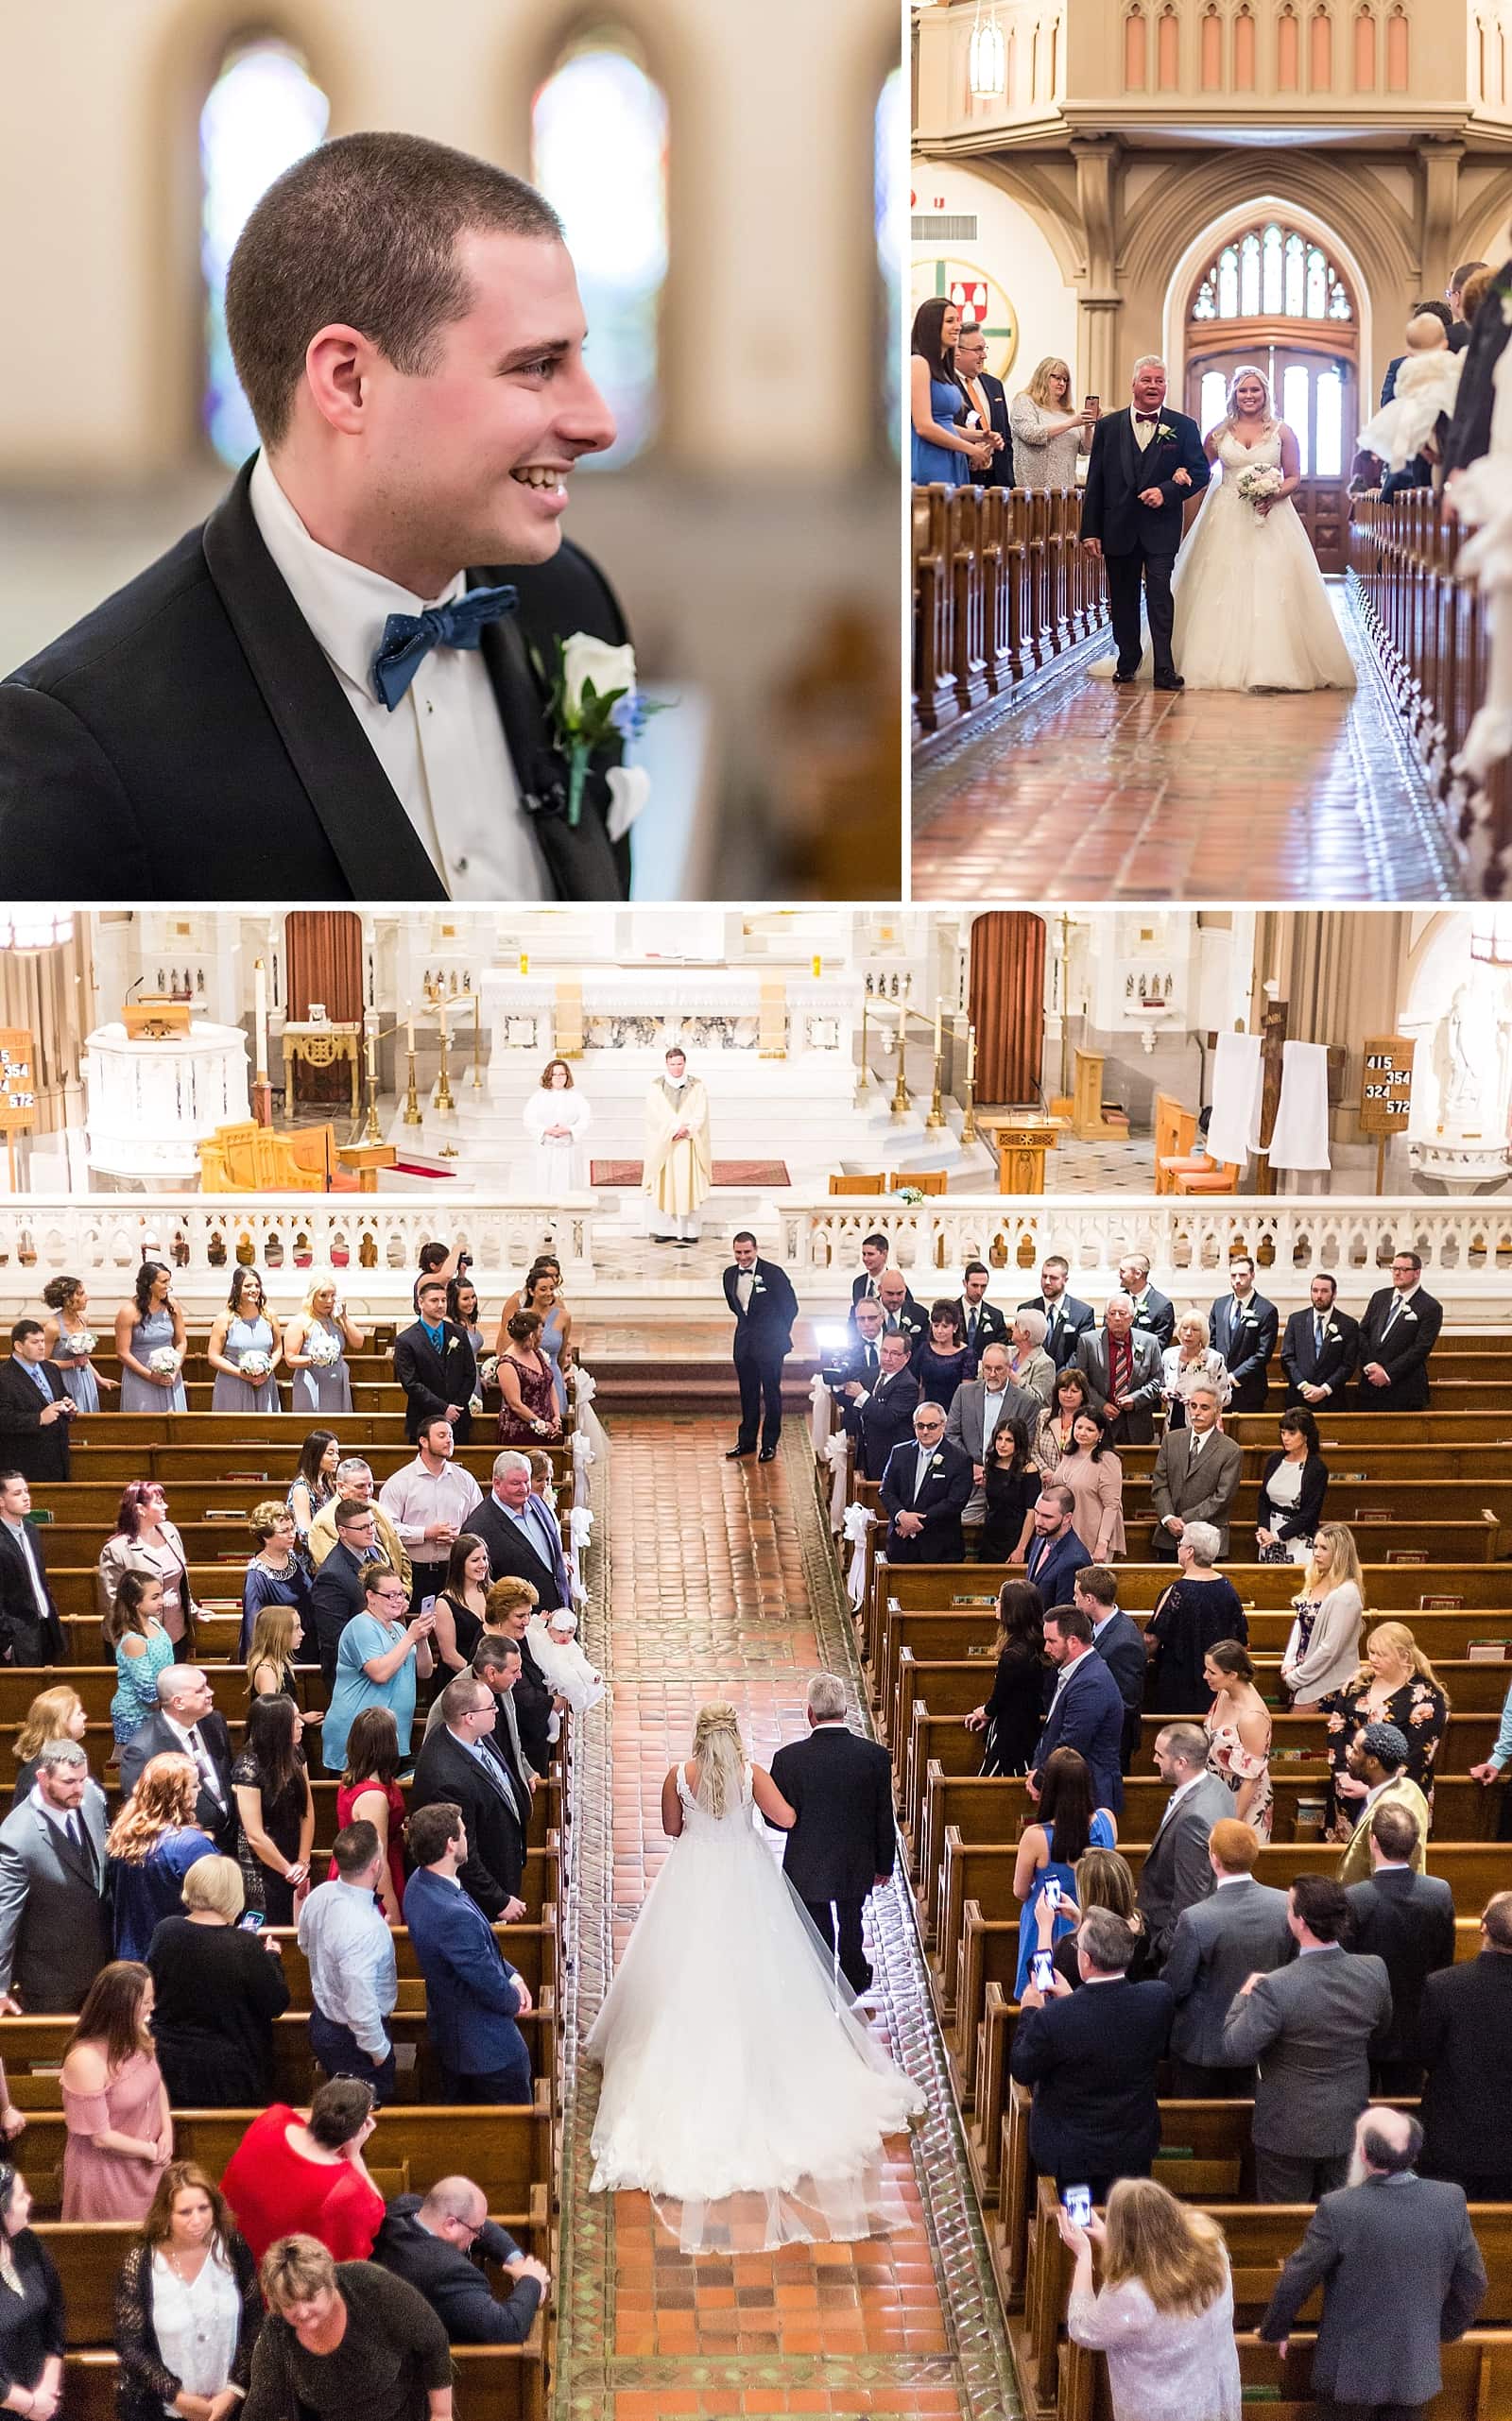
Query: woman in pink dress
x=120, y=2129
x=1237, y=1728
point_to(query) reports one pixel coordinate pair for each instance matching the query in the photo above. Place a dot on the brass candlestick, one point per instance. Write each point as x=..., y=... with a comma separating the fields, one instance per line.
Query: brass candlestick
x=969, y=1089
x=937, y=1104
x=412, y=1113
x=443, y=1101
x=901, y=1098
x=864, y=1079
x=372, y=1132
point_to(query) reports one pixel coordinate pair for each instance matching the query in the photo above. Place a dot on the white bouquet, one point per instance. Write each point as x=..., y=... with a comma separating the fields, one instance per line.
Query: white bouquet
x=81, y=1341
x=164, y=1361
x=489, y=1370
x=255, y=1366
x=320, y=1347
x=1259, y=484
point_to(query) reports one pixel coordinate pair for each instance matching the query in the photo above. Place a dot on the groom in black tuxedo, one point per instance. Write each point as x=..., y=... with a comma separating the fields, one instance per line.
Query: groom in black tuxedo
x=845, y=1840
x=1145, y=463
x=333, y=686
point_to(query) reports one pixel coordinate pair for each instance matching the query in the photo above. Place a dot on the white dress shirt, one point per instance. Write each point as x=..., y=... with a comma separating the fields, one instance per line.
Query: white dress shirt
x=353, y=1974
x=444, y=746
x=414, y=1498
x=745, y=1288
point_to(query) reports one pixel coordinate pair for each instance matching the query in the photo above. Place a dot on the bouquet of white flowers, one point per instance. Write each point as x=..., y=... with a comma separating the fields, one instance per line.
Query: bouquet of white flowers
x=81, y=1341
x=489, y=1370
x=255, y=1366
x=320, y=1347
x=164, y=1361
x=1258, y=485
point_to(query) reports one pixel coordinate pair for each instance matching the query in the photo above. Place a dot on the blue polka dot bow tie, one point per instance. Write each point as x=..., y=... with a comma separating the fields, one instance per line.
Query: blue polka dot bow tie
x=408, y=638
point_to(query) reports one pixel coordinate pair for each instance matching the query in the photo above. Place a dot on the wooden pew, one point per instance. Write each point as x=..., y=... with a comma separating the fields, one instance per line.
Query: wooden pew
x=507, y=2382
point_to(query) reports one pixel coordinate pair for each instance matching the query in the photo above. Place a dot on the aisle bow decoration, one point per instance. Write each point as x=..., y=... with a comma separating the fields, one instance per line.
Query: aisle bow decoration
x=858, y=1520
x=579, y=1535
x=838, y=1455
x=821, y=1412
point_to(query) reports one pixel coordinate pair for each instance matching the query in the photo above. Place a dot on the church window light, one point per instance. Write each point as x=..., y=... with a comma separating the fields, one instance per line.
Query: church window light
x=599, y=146
x=1316, y=282
x=262, y=113
x=1295, y=302
x=1271, y=271
x=1249, y=278
x=1229, y=283
x=1274, y=272
x=1330, y=393
x=1212, y=402
x=1295, y=380
x=1206, y=305
x=887, y=186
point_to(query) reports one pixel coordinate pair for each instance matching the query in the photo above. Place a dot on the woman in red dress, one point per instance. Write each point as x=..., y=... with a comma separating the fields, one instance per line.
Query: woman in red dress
x=528, y=1391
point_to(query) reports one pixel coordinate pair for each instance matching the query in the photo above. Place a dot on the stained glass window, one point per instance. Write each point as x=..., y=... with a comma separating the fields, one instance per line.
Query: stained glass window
x=888, y=195
x=1274, y=270
x=1249, y=278
x=1271, y=298
x=1296, y=277
x=263, y=112
x=599, y=133
x=1229, y=283
x=1295, y=381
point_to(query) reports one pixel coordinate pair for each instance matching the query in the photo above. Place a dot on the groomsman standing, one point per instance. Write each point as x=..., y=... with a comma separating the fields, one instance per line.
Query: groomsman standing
x=765, y=1307
x=1244, y=1331
x=988, y=400
x=984, y=1324
x=1067, y=1318
x=1319, y=1347
x=1397, y=1333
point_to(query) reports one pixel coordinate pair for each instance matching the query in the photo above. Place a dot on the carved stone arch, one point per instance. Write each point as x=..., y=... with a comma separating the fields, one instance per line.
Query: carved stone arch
x=1482, y=235
x=187, y=60
x=1050, y=201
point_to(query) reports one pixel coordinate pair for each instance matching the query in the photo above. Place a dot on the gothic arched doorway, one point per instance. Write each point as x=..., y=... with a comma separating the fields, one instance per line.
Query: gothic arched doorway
x=1272, y=297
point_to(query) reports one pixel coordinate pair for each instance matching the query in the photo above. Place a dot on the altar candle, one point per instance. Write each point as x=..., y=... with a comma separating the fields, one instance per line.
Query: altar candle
x=372, y=1069
x=818, y=966
x=970, y=1054
x=260, y=1016
x=524, y=962
x=939, y=1026
x=410, y=1025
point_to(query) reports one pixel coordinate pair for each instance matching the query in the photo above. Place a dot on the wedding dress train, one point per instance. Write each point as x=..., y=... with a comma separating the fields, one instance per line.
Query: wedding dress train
x=740, y=2089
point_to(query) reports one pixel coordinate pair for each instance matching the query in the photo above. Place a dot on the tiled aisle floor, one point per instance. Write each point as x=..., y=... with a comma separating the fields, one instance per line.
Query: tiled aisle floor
x=1090, y=792
x=720, y=1583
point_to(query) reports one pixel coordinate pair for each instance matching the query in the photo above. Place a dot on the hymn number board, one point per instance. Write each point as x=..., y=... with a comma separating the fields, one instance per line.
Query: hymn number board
x=1385, y=1090
x=18, y=1081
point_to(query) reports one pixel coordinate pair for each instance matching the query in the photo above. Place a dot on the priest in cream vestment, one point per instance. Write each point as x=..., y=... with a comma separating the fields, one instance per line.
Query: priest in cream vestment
x=678, y=1166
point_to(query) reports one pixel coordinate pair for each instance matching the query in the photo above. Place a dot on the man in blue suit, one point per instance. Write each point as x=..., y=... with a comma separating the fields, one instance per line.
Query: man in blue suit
x=924, y=1491
x=472, y=1995
x=1087, y=1711
x=1055, y=1553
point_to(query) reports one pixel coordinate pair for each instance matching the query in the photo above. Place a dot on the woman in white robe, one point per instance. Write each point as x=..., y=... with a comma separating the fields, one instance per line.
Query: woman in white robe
x=557, y=1118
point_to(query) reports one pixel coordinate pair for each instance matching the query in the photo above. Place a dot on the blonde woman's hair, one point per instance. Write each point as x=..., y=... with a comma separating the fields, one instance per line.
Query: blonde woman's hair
x=1191, y=1318
x=508, y=1595
x=1344, y=1560
x=1400, y=1641
x=164, y=1801
x=1038, y=388
x=1247, y=370
x=47, y=1718
x=272, y=1641
x=719, y=1754
x=1176, y=2252
x=293, y=2268
x=319, y=1281
x=1105, y=1879
x=214, y=1883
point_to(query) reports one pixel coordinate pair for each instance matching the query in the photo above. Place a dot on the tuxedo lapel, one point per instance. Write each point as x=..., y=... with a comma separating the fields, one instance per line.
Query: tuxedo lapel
x=581, y=861
x=378, y=849
x=1131, y=460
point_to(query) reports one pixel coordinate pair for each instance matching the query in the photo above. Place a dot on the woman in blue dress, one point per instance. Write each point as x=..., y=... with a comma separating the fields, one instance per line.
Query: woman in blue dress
x=462, y=1306
x=541, y=1294
x=1048, y=1850
x=148, y=1330
x=71, y=1342
x=275, y=1576
x=141, y=1649
x=149, y=1849
x=245, y=1327
x=316, y=1345
x=944, y=452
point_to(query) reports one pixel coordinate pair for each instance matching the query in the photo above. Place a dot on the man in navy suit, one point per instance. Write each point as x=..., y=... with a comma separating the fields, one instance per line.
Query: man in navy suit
x=1120, y=1642
x=472, y=1995
x=1144, y=464
x=1318, y=1348
x=984, y=1323
x=35, y=1407
x=435, y=1366
x=1090, y=2056
x=1397, y=1333
x=925, y=1489
x=30, y=1631
x=989, y=401
x=1087, y=1711
x=1055, y=1553
x=1243, y=1328
x=880, y=1415
x=762, y=1297
x=1067, y=1318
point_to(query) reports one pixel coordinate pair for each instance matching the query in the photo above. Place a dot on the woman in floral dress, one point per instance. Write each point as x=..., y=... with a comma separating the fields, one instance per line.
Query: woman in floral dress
x=1397, y=1685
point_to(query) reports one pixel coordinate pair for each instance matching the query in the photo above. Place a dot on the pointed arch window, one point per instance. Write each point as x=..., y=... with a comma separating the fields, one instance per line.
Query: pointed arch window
x=263, y=112
x=1273, y=272
x=889, y=134
x=599, y=146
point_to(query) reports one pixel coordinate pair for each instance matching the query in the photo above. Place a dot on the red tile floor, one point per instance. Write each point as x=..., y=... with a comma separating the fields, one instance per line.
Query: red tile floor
x=713, y=1570
x=1085, y=791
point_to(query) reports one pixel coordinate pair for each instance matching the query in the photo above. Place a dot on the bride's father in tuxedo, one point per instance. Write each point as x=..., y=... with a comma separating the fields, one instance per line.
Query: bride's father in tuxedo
x=844, y=1842
x=1145, y=463
x=339, y=687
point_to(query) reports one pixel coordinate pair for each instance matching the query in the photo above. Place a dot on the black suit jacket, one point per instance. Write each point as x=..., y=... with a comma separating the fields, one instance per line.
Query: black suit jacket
x=1117, y=474
x=432, y=1381
x=1408, y=1921
x=999, y=472
x=765, y=1332
x=883, y=1421
x=335, y=1595
x=845, y=1837
x=38, y=1452
x=511, y=1552
x=991, y=1328
x=1159, y=1316
x=1121, y=1645
x=1465, y=2042
x=452, y=2285
x=1246, y=1336
x=195, y=709
x=1469, y=427
x=941, y=1501
x=532, y=1713
x=24, y=1637
x=1091, y=2060
x=156, y=1739
x=495, y=1838
x=1403, y=1351
x=1075, y=1320
x=1332, y=1368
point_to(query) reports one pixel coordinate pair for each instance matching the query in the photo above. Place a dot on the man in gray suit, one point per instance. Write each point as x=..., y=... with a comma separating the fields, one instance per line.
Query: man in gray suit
x=1195, y=1476
x=1240, y=1929
x=1177, y=1872
x=1122, y=1366
x=1400, y=2272
x=1310, y=2026
x=55, y=1929
x=980, y=1407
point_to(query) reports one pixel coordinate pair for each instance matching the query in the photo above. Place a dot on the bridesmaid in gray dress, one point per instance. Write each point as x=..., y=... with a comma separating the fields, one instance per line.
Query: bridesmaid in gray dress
x=322, y=1383
x=245, y=1327
x=71, y=1342
x=152, y=1323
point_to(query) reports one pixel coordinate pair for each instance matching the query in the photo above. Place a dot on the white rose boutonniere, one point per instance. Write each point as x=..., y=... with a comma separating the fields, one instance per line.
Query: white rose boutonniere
x=592, y=701
x=1163, y=429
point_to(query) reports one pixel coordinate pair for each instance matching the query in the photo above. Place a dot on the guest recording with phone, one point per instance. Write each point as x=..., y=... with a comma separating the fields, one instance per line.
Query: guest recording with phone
x=1091, y=2058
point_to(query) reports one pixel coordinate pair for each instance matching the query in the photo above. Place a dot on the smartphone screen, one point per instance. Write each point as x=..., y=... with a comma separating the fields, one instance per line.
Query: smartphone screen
x=251, y=1921
x=1092, y=404
x=1052, y=1892
x=1042, y=1967
x=1079, y=2205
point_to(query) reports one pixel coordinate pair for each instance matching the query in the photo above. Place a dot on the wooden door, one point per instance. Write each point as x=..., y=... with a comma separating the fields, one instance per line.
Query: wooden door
x=1315, y=394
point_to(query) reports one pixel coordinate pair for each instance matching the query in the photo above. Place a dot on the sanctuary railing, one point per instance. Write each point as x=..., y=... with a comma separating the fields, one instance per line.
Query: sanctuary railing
x=1001, y=587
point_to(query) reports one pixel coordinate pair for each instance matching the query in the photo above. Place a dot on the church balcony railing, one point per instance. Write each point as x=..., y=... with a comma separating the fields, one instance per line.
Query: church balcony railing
x=1091, y=67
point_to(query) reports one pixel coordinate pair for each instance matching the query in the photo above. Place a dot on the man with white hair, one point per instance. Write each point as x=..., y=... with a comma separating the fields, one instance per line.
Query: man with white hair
x=186, y=1725
x=522, y=1534
x=355, y=1486
x=845, y=1840
x=1145, y=462
x=1197, y=1475
x=1122, y=1365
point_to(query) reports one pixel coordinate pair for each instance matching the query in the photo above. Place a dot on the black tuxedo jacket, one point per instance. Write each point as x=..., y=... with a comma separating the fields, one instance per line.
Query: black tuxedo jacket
x=1469, y=427
x=25, y=1637
x=189, y=734
x=511, y=1552
x=845, y=1837
x=942, y=1499
x=767, y=1330
x=1331, y=1369
x=1404, y=1352
x=883, y=1421
x=38, y=1453
x=1246, y=1336
x=991, y=1328
x=1116, y=474
x=495, y=1860
x=1076, y=1318
x=1158, y=1315
x=1465, y=2042
x=156, y=1738
x=1407, y=1920
x=432, y=1381
x=999, y=472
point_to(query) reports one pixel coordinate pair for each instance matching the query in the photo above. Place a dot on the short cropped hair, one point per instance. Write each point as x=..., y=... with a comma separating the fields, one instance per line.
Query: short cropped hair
x=460, y=1697
x=354, y=1848
x=1393, y=1828
x=1322, y=1906
x=1187, y=1741
x=826, y=1697
x=215, y=1884
x=1071, y=1622
x=430, y=1829
x=1109, y=1941
x=1235, y=1845
x=294, y=2268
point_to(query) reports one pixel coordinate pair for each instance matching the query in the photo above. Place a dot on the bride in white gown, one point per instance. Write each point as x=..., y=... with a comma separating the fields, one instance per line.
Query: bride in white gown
x=1251, y=609
x=739, y=2089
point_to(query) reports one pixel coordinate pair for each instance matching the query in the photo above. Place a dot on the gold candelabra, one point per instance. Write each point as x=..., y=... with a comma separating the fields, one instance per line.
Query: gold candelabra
x=969, y=1089
x=864, y=1076
x=443, y=1101
x=901, y=1098
x=412, y=1111
x=937, y=1104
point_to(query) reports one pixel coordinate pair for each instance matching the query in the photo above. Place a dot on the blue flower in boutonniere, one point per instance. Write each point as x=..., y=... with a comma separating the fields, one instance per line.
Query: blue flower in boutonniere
x=593, y=704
